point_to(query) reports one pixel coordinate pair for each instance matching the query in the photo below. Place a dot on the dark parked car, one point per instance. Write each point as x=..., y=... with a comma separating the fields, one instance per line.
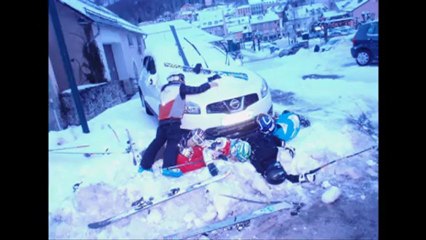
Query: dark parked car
x=366, y=43
x=293, y=49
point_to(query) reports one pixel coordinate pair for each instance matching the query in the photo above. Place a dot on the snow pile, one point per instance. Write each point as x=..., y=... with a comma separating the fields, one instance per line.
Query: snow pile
x=331, y=195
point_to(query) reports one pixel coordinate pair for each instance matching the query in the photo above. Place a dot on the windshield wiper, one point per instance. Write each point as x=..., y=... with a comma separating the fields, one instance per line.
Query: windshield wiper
x=197, y=51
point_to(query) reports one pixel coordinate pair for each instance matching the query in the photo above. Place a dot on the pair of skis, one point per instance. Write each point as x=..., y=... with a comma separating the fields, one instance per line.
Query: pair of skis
x=242, y=219
x=141, y=205
x=239, y=75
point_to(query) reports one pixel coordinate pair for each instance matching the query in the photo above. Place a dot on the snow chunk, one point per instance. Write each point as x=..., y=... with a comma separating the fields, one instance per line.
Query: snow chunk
x=331, y=194
x=326, y=184
x=204, y=237
x=371, y=163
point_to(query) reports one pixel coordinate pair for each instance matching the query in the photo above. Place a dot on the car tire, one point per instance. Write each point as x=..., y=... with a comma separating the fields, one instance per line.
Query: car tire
x=144, y=104
x=363, y=57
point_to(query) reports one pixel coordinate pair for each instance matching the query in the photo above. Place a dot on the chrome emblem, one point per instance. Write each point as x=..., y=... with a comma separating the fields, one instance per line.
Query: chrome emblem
x=235, y=104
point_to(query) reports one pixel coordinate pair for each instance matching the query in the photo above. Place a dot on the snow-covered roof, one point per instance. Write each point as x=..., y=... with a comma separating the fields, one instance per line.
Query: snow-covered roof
x=237, y=21
x=237, y=28
x=243, y=6
x=329, y=14
x=349, y=5
x=210, y=17
x=268, y=17
x=100, y=14
x=278, y=8
x=305, y=11
x=252, y=2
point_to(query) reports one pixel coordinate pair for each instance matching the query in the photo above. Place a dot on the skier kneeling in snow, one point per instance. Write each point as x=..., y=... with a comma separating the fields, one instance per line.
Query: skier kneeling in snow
x=265, y=143
x=172, y=108
x=197, y=152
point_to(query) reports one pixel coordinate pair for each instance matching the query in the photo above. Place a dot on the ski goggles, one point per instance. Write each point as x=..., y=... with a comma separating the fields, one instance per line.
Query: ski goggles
x=197, y=139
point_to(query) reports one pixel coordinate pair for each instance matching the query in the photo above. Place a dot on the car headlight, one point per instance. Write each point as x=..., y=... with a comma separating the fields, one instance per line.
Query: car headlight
x=264, y=90
x=192, y=108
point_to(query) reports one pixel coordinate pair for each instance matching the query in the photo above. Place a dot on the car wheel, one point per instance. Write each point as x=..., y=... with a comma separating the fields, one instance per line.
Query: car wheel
x=363, y=57
x=144, y=104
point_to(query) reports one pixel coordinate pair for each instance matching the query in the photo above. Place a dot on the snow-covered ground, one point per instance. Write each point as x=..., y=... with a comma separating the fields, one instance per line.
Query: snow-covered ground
x=338, y=97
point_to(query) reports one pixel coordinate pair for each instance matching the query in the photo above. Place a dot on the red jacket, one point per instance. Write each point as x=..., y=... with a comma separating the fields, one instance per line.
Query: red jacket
x=196, y=158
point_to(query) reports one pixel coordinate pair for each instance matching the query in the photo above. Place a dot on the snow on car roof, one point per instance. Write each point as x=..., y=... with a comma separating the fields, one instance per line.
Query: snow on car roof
x=161, y=44
x=183, y=28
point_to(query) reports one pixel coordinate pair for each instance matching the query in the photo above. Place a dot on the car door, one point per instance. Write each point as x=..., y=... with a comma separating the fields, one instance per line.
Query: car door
x=149, y=83
x=373, y=38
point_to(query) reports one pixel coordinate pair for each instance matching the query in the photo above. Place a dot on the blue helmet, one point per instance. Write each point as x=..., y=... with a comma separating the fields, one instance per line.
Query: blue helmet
x=288, y=126
x=266, y=123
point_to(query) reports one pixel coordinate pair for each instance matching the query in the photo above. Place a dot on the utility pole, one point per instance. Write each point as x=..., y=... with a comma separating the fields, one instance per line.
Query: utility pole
x=65, y=58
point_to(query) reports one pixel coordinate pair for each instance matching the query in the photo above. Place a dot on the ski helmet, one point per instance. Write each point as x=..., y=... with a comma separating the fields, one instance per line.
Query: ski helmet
x=266, y=123
x=288, y=126
x=241, y=150
x=275, y=174
x=197, y=136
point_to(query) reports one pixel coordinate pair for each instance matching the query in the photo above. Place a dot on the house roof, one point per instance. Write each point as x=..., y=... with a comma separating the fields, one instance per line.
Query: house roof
x=100, y=14
x=237, y=21
x=268, y=17
x=243, y=6
x=329, y=14
x=305, y=11
x=252, y=2
x=350, y=5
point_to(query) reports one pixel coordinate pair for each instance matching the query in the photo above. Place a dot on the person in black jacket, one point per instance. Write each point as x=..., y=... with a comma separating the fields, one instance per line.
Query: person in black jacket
x=172, y=108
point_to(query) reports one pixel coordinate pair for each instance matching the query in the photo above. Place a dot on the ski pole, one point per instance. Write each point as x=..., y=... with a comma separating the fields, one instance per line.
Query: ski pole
x=115, y=134
x=56, y=149
x=130, y=147
x=184, y=164
x=349, y=156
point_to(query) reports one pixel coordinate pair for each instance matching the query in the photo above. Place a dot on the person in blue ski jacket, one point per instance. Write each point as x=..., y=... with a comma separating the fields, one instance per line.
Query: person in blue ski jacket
x=172, y=108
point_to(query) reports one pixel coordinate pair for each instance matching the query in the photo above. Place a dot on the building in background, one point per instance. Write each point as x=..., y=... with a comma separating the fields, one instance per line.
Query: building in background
x=103, y=49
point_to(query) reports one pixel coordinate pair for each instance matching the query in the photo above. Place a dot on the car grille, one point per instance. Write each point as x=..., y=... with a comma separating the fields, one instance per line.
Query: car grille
x=232, y=105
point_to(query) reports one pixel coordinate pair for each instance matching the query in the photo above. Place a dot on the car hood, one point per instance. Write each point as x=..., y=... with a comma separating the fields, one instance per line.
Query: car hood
x=228, y=87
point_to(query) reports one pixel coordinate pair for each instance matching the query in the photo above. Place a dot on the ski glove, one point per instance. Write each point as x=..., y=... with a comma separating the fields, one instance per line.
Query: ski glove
x=214, y=77
x=197, y=68
x=307, y=177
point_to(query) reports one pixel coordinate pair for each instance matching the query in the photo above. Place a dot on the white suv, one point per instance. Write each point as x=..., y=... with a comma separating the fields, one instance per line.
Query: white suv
x=227, y=110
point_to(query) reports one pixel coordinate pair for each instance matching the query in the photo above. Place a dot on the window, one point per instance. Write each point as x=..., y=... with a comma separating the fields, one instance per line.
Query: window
x=138, y=39
x=130, y=39
x=373, y=29
x=149, y=64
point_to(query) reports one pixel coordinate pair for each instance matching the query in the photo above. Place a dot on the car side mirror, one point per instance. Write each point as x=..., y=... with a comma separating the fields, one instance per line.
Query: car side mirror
x=151, y=67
